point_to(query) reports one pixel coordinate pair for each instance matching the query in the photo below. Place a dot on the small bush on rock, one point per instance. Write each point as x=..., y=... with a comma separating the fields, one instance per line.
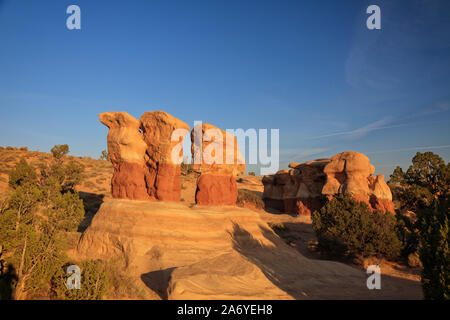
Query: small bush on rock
x=248, y=197
x=59, y=151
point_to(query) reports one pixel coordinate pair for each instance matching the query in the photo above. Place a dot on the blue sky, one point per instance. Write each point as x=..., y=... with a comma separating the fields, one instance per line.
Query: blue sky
x=309, y=68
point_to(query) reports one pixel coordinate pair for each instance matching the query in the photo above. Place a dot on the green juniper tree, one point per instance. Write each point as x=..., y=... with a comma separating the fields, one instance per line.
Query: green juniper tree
x=424, y=189
x=435, y=252
x=59, y=151
x=429, y=170
x=34, y=221
x=398, y=176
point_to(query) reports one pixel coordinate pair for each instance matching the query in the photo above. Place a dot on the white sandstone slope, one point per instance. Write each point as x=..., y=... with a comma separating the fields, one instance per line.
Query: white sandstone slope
x=183, y=252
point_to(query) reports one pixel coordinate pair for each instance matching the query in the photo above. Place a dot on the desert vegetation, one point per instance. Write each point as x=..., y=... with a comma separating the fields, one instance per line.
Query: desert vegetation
x=417, y=235
x=248, y=198
x=346, y=228
x=38, y=217
x=421, y=195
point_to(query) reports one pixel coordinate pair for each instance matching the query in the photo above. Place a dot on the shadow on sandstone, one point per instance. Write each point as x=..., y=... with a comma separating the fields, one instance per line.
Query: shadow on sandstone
x=263, y=256
x=302, y=279
x=301, y=236
x=158, y=281
x=256, y=193
x=253, y=200
x=91, y=203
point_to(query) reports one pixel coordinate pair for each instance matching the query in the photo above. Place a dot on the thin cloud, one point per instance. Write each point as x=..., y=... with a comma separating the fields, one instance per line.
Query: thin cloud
x=377, y=125
x=411, y=149
x=310, y=152
x=293, y=155
x=441, y=106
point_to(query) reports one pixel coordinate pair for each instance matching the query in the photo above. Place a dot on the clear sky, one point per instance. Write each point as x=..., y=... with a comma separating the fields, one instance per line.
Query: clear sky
x=309, y=68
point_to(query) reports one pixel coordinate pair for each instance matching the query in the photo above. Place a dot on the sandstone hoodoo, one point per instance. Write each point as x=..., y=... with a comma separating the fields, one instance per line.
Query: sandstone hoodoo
x=126, y=148
x=141, y=153
x=164, y=174
x=307, y=186
x=217, y=157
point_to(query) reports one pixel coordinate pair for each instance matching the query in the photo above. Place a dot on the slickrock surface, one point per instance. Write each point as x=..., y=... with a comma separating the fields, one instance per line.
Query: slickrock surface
x=202, y=252
x=307, y=186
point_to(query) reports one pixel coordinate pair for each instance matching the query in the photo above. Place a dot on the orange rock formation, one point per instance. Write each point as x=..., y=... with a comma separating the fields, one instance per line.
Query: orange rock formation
x=164, y=174
x=221, y=161
x=141, y=153
x=126, y=149
x=307, y=186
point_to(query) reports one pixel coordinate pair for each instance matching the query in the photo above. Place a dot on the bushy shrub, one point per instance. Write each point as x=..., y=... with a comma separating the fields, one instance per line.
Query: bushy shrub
x=60, y=176
x=346, y=227
x=67, y=211
x=277, y=226
x=93, y=284
x=73, y=174
x=23, y=173
x=248, y=197
x=59, y=151
x=104, y=156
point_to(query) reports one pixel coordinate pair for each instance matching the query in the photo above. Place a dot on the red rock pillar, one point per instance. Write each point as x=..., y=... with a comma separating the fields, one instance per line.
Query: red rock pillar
x=221, y=162
x=159, y=129
x=126, y=149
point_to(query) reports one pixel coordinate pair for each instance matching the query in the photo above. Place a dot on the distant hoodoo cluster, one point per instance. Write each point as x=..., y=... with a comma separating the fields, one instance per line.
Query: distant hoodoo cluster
x=145, y=168
x=307, y=186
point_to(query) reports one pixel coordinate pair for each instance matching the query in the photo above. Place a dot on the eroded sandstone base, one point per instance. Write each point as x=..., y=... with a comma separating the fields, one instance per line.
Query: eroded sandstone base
x=216, y=190
x=128, y=181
